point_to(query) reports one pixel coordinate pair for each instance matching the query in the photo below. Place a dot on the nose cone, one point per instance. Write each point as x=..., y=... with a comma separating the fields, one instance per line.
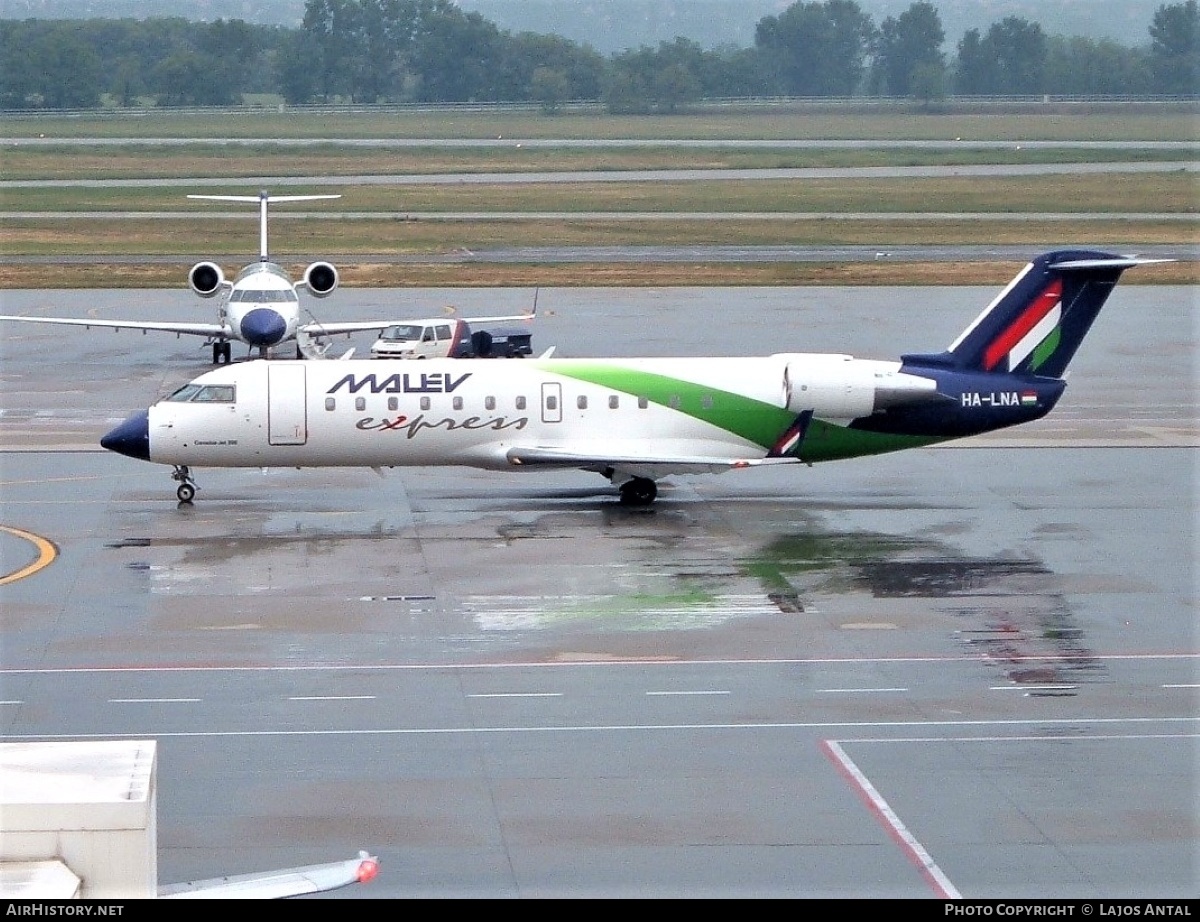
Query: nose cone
x=131, y=438
x=263, y=327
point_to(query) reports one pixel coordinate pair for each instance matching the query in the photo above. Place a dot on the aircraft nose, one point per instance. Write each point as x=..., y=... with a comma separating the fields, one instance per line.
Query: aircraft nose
x=263, y=327
x=131, y=438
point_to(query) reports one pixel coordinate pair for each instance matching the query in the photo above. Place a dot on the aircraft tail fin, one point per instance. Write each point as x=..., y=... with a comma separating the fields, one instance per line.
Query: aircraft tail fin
x=262, y=199
x=1035, y=325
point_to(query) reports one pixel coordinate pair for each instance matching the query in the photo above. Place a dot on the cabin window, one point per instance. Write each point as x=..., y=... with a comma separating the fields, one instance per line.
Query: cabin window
x=581, y=401
x=457, y=402
x=393, y=404
x=706, y=401
x=551, y=402
x=489, y=403
x=520, y=403
x=643, y=402
x=360, y=403
x=674, y=402
x=330, y=403
x=613, y=401
x=425, y=403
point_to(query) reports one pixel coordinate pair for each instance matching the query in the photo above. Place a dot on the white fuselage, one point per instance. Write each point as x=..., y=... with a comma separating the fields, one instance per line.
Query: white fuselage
x=474, y=412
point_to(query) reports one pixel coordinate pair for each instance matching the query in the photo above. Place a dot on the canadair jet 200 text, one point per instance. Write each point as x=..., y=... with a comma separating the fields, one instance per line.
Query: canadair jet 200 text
x=635, y=421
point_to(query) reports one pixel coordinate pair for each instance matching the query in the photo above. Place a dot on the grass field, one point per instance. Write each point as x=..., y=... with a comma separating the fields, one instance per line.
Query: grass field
x=389, y=219
x=1134, y=122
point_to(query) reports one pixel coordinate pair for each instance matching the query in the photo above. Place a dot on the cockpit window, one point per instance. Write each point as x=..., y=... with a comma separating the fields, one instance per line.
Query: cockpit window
x=263, y=295
x=215, y=393
x=204, y=393
x=185, y=393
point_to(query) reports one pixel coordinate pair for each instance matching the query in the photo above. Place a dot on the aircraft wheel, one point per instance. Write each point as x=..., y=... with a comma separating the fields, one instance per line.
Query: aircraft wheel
x=186, y=492
x=640, y=491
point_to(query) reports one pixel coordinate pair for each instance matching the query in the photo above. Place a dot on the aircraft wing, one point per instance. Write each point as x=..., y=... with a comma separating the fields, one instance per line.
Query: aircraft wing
x=525, y=316
x=317, y=330
x=273, y=885
x=214, y=330
x=651, y=466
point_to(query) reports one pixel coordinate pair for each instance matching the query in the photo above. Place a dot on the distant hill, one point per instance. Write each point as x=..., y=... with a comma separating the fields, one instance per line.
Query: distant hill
x=614, y=25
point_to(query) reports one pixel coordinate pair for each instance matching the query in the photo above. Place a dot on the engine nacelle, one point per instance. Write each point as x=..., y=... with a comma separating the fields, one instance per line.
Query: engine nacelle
x=206, y=279
x=837, y=386
x=321, y=279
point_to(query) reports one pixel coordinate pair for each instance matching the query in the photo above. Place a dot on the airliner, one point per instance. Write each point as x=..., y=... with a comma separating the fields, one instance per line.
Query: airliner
x=260, y=306
x=634, y=421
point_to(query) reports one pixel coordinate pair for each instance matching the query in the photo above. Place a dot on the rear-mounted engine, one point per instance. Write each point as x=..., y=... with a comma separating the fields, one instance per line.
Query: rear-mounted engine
x=321, y=279
x=206, y=279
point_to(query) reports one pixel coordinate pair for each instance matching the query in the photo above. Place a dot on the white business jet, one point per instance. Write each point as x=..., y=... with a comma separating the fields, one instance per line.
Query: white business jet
x=259, y=307
x=636, y=420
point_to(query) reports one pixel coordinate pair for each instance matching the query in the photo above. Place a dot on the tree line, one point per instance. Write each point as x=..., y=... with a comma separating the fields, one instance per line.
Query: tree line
x=431, y=51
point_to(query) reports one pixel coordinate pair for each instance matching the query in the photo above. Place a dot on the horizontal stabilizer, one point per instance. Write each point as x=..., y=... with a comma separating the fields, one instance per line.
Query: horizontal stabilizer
x=260, y=198
x=1117, y=262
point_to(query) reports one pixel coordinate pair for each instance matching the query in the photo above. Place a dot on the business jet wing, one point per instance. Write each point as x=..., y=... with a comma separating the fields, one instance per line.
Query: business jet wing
x=273, y=885
x=528, y=315
x=318, y=329
x=215, y=330
x=651, y=466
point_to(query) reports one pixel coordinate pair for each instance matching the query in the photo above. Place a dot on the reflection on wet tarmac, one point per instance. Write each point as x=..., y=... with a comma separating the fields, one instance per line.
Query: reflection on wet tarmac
x=643, y=574
x=1012, y=611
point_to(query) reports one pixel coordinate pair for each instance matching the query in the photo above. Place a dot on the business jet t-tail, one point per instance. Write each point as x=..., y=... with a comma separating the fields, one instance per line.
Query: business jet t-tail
x=635, y=421
x=260, y=306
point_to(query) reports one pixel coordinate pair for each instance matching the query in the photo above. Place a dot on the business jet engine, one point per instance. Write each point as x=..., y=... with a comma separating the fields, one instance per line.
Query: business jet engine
x=206, y=279
x=321, y=279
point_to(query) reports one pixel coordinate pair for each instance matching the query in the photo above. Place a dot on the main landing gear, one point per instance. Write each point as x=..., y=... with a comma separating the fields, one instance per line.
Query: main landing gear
x=187, y=486
x=222, y=352
x=638, y=491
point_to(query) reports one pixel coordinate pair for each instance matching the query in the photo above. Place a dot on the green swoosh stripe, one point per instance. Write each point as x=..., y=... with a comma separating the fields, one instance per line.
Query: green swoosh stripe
x=753, y=420
x=827, y=441
x=757, y=422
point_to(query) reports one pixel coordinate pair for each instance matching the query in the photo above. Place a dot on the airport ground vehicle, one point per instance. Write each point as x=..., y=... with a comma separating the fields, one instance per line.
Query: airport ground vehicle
x=450, y=338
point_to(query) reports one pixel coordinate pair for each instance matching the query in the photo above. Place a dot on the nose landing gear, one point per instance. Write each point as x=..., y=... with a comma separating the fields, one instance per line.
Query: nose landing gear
x=187, y=487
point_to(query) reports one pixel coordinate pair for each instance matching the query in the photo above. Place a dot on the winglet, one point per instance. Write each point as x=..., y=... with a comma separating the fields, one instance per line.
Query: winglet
x=315, y=878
